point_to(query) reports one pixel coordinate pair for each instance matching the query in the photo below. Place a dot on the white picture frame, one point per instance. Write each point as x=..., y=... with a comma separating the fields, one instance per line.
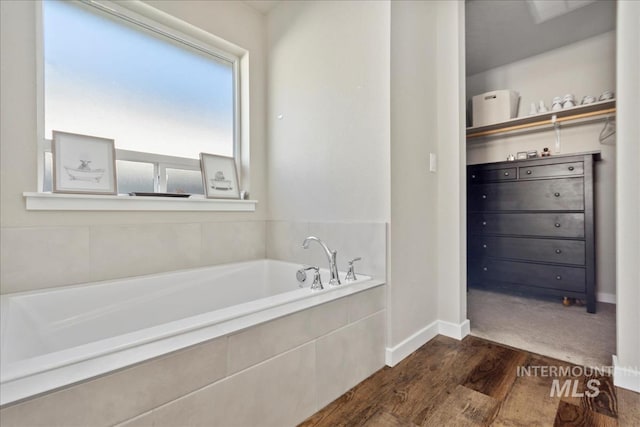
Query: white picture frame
x=219, y=176
x=83, y=164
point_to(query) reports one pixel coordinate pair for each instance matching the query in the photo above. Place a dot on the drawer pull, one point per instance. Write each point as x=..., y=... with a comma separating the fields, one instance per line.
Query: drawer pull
x=484, y=269
x=484, y=246
x=473, y=177
x=558, y=277
x=506, y=174
x=556, y=194
x=484, y=223
x=484, y=196
x=557, y=224
x=558, y=251
x=571, y=168
x=528, y=172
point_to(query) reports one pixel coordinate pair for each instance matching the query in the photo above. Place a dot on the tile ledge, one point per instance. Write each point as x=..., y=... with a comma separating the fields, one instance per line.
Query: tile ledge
x=93, y=202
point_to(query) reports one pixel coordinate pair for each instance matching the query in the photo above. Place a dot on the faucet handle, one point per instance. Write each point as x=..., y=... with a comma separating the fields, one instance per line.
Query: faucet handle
x=351, y=273
x=301, y=275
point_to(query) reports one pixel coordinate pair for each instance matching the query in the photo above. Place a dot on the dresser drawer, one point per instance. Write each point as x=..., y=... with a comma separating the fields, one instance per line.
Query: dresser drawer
x=560, y=169
x=528, y=224
x=542, y=250
x=503, y=174
x=522, y=273
x=545, y=195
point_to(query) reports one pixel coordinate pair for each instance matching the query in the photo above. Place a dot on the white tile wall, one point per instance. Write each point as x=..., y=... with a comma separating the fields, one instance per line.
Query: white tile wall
x=133, y=250
x=284, y=241
x=33, y=258
x=43, y=257
x=349, y=355
x=124, y=394
x=351, y=240
x=363, y=304
x=274, y=393
x=256, y=344
x=224, y=242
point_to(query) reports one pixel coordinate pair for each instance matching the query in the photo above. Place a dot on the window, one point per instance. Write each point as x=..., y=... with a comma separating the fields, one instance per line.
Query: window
x=162, y=96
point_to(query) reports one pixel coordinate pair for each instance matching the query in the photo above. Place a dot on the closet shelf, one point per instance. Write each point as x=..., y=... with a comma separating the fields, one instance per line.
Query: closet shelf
x=544, y=119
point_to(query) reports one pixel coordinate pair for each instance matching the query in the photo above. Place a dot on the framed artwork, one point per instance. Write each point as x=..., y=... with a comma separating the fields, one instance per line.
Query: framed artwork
x=219, y=176
x=83, y=164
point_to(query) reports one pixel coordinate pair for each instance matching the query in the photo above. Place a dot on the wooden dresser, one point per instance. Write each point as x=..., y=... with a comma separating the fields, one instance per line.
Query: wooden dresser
x=531, y=226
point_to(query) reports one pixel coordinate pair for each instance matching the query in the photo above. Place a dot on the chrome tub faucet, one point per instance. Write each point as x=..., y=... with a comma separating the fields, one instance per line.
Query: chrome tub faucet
x=334, y=280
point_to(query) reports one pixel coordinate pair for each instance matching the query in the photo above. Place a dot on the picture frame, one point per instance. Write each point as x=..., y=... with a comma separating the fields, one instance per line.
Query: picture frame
x=219, y=176
x=83, y=164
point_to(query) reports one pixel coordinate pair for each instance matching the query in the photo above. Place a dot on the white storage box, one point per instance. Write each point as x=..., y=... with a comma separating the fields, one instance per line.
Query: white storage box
x=495, y=107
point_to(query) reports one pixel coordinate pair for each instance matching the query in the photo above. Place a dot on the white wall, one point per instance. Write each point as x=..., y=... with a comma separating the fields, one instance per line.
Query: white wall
x=329, y=111
x=628, y=195
x=427, y=239
x=42, y=249
x=413, y=291
x=342, y=76
x=584, y=68
x=452, y=205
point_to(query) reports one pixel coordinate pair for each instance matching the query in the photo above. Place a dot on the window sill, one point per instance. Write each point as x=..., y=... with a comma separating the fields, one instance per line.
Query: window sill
x=91, y=202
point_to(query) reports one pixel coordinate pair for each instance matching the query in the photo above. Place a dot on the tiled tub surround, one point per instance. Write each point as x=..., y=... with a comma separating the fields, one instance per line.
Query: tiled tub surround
x=351, y=239
x=43, y=257
x=269, y=368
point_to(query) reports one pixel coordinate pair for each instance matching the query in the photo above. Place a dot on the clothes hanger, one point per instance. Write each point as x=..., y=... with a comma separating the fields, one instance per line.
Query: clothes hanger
x=608, y=130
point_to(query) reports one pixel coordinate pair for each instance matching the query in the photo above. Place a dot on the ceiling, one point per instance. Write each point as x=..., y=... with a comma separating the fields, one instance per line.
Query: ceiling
x=263, y=6
x=499, y=32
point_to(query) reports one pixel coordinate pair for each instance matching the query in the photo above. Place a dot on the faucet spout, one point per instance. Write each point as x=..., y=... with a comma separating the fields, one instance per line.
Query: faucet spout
x=331, y=257
x=326, y=249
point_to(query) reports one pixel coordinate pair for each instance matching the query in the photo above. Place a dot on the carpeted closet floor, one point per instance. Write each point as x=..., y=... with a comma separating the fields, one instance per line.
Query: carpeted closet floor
x=545, y=327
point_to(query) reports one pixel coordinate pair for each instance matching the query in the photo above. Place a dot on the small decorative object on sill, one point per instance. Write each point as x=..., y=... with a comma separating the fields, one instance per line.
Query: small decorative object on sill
x=532, y=154
x=545, y=152
x=511, y=158
x=141, y=194
x=219, y=176
x=83, y=164
x=244, y=195
x=522, y=155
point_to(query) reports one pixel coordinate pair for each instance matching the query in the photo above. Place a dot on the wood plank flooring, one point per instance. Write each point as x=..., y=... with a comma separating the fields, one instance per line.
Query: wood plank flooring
x=474, y=382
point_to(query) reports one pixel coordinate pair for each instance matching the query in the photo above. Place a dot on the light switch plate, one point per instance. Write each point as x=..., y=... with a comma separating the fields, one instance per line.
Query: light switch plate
x=433, y=162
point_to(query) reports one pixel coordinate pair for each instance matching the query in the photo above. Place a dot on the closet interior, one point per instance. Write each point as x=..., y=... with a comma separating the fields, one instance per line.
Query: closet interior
x=540, y=88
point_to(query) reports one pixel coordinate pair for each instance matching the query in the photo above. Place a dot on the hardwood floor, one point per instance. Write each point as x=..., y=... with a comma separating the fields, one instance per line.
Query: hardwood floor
x=475, y=382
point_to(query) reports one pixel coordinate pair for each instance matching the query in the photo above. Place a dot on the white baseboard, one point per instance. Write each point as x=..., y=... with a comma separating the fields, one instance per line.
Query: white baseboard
x=626, y=377
x=394, y=355
x=605, y=297
x=453, y=330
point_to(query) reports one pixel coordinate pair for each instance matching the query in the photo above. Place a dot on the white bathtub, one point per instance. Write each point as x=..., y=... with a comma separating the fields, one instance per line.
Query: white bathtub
x=60, y=336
